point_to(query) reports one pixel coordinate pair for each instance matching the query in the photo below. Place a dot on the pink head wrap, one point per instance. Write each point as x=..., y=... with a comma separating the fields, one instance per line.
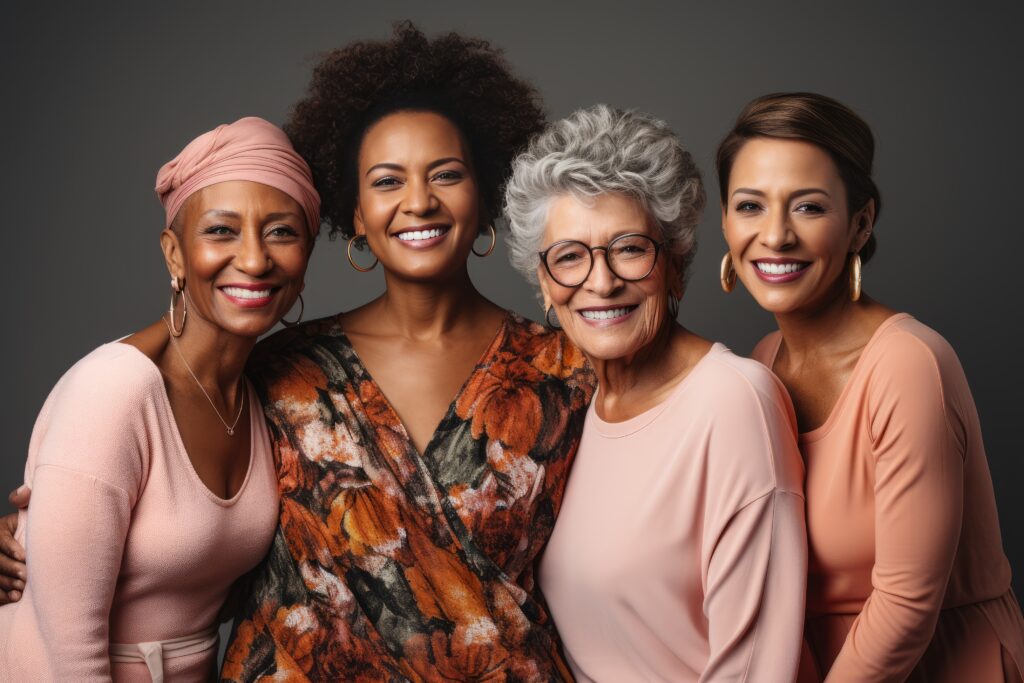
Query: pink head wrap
x=248, y=149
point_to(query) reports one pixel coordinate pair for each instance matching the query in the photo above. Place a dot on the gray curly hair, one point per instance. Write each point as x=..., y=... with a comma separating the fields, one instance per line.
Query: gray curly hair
x=602, y=150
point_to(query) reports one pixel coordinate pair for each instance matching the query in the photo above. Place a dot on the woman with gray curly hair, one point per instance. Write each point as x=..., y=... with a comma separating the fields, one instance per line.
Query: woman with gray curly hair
x=679, y=552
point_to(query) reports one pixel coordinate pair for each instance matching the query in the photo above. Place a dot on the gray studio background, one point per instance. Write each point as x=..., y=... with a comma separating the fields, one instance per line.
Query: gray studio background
x=96, y=97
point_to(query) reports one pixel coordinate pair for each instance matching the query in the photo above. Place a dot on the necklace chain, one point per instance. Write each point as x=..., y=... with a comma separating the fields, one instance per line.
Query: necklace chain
x=241, y=402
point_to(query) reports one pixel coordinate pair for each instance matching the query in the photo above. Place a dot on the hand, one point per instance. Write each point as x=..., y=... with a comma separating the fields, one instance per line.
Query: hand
x=12, y=556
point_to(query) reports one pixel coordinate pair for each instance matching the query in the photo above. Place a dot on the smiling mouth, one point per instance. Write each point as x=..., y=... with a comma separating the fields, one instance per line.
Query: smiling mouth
x=240, y=293
x=423, y=235
x=607, y=313
x=780, y=268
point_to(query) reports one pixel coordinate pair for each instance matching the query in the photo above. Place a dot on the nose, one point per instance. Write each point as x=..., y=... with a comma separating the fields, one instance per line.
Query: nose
x=419, y=198
x=601, y=280
x=777, y=233
x=252, y=257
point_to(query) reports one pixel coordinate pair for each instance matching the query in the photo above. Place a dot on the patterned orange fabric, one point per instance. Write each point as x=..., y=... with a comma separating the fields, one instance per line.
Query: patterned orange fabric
x=389, y=565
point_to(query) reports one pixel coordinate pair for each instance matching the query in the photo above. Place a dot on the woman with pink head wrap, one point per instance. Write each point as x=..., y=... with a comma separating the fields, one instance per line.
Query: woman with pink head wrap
x=152, y=476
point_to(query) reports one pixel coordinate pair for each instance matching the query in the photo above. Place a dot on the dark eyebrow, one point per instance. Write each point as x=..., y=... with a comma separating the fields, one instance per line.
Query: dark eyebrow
x=398, y=167
x=221, y=213
x=798, y=193
x=281, y=215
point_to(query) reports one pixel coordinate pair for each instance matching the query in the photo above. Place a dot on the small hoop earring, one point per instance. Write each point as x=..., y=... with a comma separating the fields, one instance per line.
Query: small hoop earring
x=673, y=307
x=855, y=277
x=494, y=240
x=302, y=309
x=551, y=318
x=361, y=269
x=177, y=288
x=727, y=274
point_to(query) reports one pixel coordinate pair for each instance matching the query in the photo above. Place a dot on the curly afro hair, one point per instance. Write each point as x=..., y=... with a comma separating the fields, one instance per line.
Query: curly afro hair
x=463, y=79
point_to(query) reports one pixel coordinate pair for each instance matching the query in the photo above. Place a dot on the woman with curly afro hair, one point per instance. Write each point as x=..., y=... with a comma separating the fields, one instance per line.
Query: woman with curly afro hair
x=423, y=439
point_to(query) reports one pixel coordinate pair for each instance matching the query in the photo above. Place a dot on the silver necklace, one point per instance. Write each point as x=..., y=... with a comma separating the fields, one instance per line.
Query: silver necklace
x=241, y=402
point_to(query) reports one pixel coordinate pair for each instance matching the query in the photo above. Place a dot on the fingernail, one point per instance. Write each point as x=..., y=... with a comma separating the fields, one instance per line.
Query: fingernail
x=21, y=574
x=14, y=595
x=19, y=585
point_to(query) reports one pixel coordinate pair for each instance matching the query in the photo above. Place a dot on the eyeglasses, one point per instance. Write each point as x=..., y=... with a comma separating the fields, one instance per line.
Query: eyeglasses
x=630, y=257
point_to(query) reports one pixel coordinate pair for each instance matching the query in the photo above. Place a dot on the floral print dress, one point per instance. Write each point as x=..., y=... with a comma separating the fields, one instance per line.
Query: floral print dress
x=391, y=565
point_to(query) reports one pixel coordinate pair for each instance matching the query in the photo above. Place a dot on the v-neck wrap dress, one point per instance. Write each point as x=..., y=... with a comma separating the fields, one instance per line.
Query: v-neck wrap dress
x=907, y=579
x=392, y=565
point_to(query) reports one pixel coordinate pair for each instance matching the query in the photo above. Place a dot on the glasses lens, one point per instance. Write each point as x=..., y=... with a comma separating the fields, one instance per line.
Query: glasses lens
x=632, y=256
x=568, y=263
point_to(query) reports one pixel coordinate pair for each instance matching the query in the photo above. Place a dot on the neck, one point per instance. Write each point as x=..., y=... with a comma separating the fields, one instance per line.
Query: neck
x=646, y=370
x=428, y=310
x=823, y=329
x=217, y=358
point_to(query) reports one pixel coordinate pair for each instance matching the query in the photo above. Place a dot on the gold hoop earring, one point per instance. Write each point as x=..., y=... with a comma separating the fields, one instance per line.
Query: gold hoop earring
x=555, y=323
x=494, y=240
x=177, y=288
x=302, y=309
x=352, y=261
x=855, y=277
x=727, y=274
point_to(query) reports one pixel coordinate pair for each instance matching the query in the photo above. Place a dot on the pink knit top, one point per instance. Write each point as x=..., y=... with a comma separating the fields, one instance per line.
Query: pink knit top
x=679, y=553
x=125, y=543
x=907, y=577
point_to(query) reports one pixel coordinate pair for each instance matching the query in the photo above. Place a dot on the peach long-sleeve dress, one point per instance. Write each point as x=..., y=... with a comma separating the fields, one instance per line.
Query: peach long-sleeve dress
x=907, y=576
x=125, y=543
x=679, y=553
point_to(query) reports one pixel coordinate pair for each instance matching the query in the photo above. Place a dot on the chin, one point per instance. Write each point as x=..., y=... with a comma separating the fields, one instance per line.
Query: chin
x=604, y=349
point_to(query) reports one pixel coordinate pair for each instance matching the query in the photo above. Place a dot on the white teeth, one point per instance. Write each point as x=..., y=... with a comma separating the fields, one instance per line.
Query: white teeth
x=420, y=234
x=240, y=293
x=779, y=268
x=606, y=314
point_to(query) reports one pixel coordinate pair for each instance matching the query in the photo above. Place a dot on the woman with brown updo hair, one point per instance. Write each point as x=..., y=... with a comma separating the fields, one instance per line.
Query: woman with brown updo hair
x=423, y=439
x=907, y=579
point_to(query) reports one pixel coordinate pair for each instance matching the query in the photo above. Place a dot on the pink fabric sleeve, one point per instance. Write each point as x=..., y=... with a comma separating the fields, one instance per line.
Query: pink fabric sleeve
x=86, y=459
x=919, y=483
x=757, y=571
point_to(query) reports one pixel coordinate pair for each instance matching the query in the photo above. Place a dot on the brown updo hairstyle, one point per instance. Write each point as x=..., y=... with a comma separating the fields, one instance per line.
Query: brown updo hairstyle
x=463, y=79
x=821, y=121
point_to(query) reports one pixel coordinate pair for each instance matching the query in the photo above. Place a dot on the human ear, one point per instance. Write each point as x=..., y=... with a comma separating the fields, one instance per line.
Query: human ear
x=864, y=224
x=544, y=287
x=174, y=253
x=357, y=221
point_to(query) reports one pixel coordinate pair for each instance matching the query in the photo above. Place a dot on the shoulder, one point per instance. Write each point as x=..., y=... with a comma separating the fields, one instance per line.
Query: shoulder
x=111, y=378
x=750, y=422
x=304, y=349
x=98, y=417
x=912, y=370
x=765, y=350
x=908, y=356
x=294, y=339
x=744, y=384
x=548, y=351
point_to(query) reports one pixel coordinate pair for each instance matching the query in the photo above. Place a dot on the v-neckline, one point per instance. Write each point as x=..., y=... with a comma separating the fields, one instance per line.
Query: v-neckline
x=491, y=349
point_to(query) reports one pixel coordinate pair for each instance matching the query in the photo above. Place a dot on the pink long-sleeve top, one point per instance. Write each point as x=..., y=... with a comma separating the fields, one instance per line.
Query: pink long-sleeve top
x=679, y=553
x=907, y=575
x=125, y=543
